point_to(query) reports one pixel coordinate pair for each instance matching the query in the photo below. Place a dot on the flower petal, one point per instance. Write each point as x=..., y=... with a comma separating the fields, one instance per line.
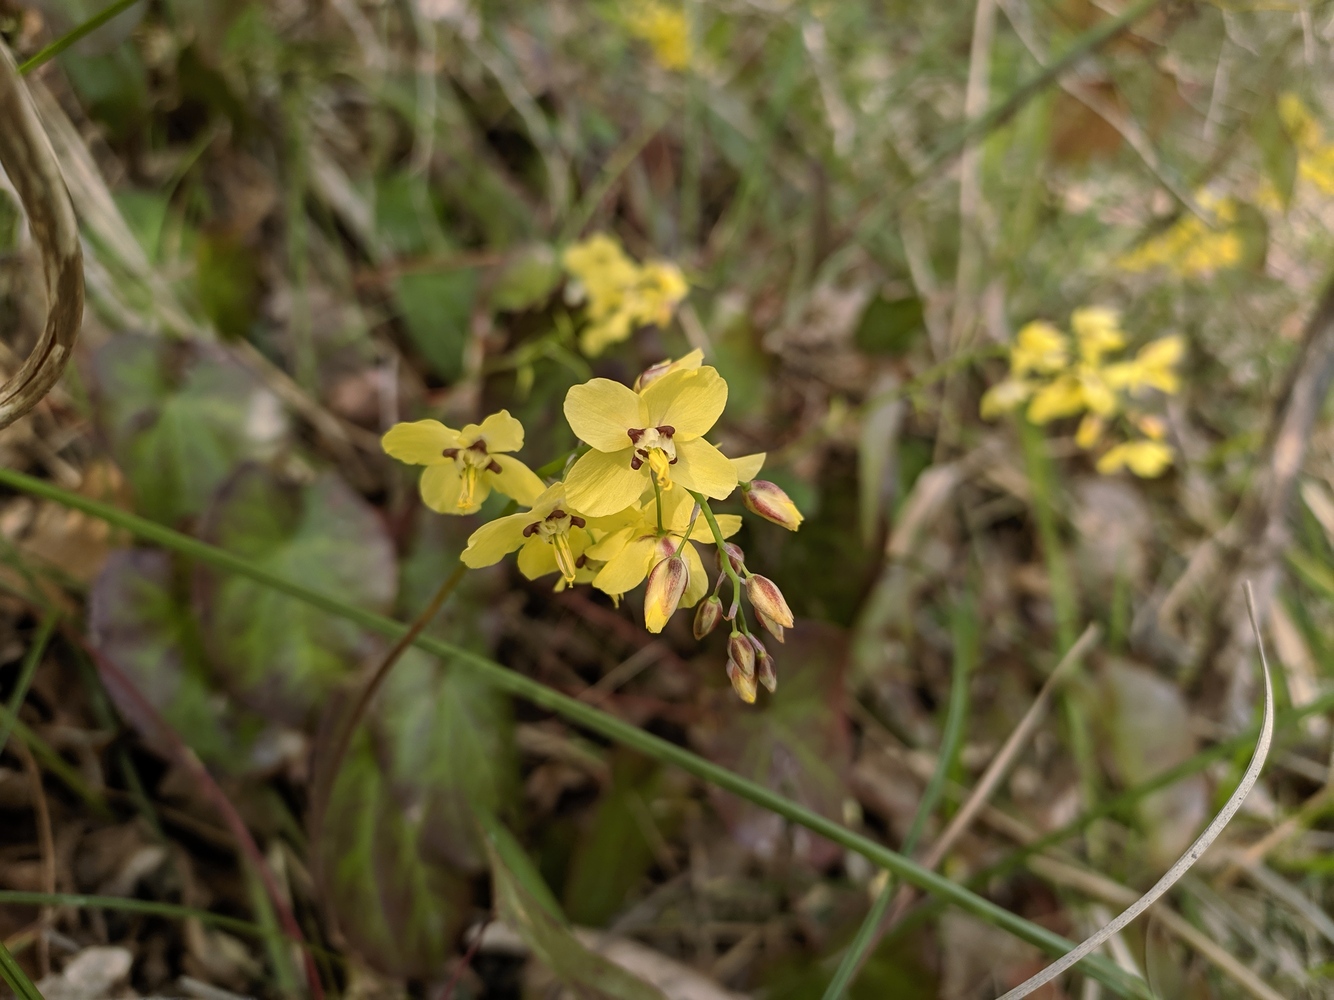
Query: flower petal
x=728, y=524
x=420, y=442
x=689, y=400
x=703, y=468
x=537, y=558
x=601, y=411
x=677, y=506
x=441, y=486
x=749, y=466
x=606, y=549
x=515, y=480
x=495, y=540
x=698, y=584
x=626, y=570
x=501, y=432
x=602, y=483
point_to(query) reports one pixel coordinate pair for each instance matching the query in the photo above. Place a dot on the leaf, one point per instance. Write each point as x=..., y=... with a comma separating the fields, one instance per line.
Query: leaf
x=402, y=912
x=796, y=745
x=281, y=655
x=527, y=280
x=447, y=742
x=526, y=905
x=889, y=326
x=437, y=309
x=180, y=417
x=140, y=619
x=226, y=282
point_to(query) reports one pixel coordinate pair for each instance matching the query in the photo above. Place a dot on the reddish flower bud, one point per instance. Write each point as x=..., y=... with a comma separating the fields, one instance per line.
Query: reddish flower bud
x=666, y=583
x=764, y=668
x=708, y=615
x=742, y=653
x=768, y=601
x=742, y=684
x=735, y=554
x=771, y=503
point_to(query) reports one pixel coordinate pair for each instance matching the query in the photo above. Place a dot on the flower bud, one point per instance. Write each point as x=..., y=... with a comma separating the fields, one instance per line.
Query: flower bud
x=651, y=374
x=771, y=503
x=771, y=626
x=708, y=615
x=735, y=554
x=666, y=583
x=767, y=600
x=742, y=653
x=764, y=668
x=743, y=685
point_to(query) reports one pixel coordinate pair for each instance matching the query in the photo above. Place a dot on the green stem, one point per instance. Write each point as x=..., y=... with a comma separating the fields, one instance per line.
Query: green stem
x=723, y=557
x=29, y=668
x=1106, y=972
x=15, y=977
x=73, y=36
x=657, y=496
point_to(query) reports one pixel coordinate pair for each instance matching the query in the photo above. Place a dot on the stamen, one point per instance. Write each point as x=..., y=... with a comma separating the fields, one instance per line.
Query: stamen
x=556, y=515
x=667, y=430
x=494, y=467
x=528, y=531
x=479, y=445
x=576, y=521
x=635, y=433
x=450, y=453
x=636, y=462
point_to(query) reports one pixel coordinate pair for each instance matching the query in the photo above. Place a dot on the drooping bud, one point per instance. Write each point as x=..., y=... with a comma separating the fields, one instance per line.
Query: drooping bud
x=742, y=653
x=651, y=374
x=768, y=600
x=742, y=684
x=666, y=583
x=708, y=615
x=771, y=626
x=735, y=554
x=764, y=667
x=771, y=503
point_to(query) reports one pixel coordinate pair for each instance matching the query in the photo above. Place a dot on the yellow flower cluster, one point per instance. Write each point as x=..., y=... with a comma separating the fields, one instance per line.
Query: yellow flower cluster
x=1190, y=248
x=663, y=26
x=621, y=295
x=1315, y=156
x=628, y=509
x=1055, y=376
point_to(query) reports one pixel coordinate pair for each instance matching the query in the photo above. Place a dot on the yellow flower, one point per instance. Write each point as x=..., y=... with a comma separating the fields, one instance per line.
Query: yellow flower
x=1152, y=367
x=665, y=29
x=655, y=435
x=652, y=373
x=1098, y=331
x=1063, y=397
x=1004, y=397
x=550, y=537
x=1090, y=430
x=621, y=294
x=464, y=466
x=1039, y=347
x=1146, y=459
x=631, y=552
x=1189, y=247
x=748, y=466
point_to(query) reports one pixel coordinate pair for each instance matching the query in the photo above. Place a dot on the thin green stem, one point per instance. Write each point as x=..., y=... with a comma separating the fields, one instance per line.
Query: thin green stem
x=15, y=978
x=29, y=667
x=599, y=721
x=657, y=497
x=723, y=557
x=73, y=36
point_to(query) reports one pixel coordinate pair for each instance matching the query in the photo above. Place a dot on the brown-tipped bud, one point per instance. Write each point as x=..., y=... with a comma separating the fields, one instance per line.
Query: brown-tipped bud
x=666, y=583
x=771, y=626
x=742, y=684
x=742, y=653
x=708, y=615
x=651, y=374
x=735, y=554
x=768, y=600
x=764, y=668
x=771, y=503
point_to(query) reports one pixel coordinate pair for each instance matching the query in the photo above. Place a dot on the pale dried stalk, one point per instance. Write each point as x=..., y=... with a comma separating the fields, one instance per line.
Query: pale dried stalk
x=26, y=155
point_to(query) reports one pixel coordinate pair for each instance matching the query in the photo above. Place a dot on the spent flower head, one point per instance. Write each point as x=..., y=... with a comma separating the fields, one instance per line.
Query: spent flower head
x=464, y=466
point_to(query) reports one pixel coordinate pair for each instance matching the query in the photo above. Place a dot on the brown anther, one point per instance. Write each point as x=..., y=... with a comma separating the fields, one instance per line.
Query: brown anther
x=581, y=562
x=478, y=445
x=667, y=430
x=556, y=515
x=528, y=531
x=450, y=452
x=635, y=433
x=576, y=521
x=636, y=463
x=494, y=467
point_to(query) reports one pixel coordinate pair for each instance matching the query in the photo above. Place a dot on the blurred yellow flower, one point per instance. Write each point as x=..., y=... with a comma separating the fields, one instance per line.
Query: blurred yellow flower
x=621, y=294
x=1190, y=248
x=1315, y=156
x=1040, y=348
x=664, y=27
x=464, y=466
x=639, y=439
x=1146, y=459
x=1152, y=368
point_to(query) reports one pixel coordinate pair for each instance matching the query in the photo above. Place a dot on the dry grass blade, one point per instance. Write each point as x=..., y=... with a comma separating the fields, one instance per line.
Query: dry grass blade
x=1196, y=850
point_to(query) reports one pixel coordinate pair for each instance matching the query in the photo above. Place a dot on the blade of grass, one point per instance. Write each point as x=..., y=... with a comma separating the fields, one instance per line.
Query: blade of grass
x=966, y=637
x=35, y=652
x=15, y=978
x=74, y=35
x=1193, y=853
x=595, y=719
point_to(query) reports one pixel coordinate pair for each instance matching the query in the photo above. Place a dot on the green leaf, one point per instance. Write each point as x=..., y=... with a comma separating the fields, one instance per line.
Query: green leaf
x=889, y=326
x=527, y=280
x=437, y=309
x=280, y=654
x=226, y=282
x=180, y=417
x=139, y=617
x=796, y=745
x=401, y=911
x=447, y=741
x=525, y=904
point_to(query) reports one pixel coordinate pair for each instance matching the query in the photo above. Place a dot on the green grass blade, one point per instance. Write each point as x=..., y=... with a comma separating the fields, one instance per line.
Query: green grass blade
x=26, y=671
x=1106, y=972
x=71, y=37
x=15, y=978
